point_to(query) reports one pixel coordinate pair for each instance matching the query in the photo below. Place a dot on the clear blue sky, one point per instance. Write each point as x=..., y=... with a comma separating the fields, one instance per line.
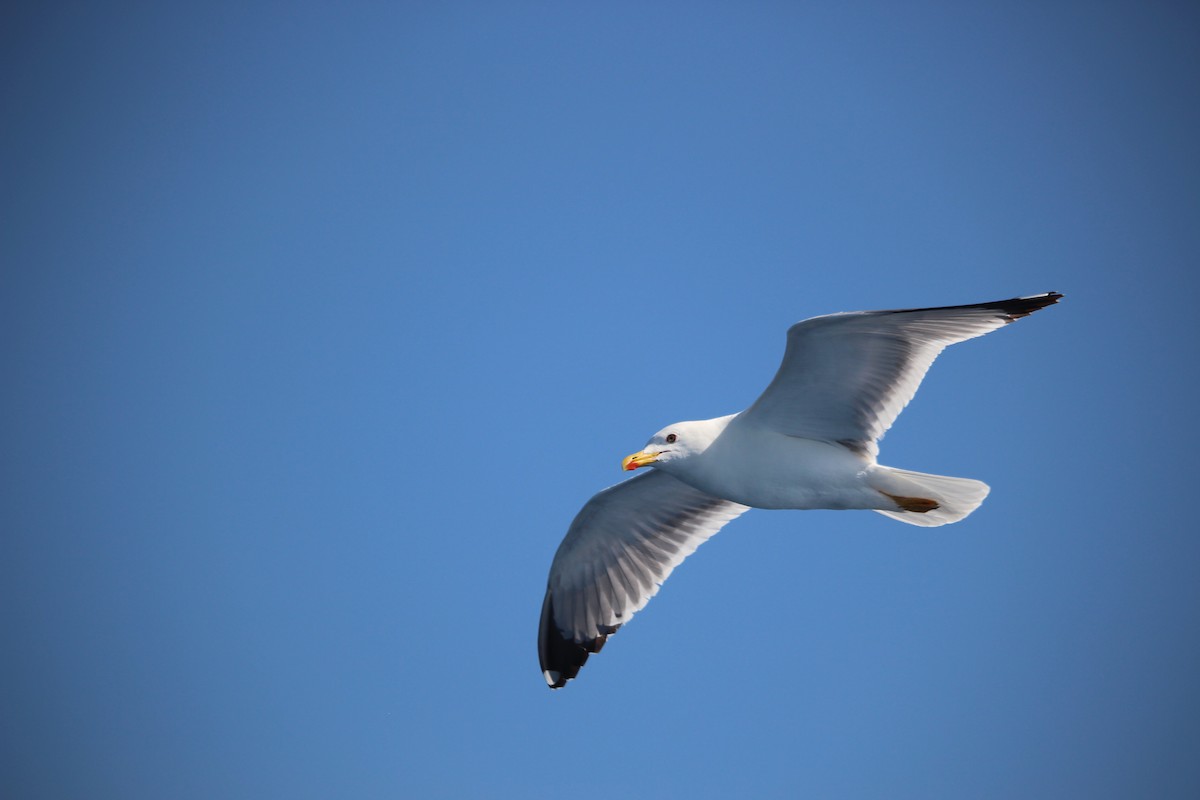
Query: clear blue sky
x=319, y=322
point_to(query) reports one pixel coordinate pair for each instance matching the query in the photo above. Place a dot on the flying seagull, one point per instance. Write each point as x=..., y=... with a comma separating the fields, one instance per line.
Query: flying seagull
x=809, y=441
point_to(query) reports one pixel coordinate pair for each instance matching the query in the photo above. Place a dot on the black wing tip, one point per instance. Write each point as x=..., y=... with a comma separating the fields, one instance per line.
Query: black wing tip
x=1019, y=307
x=562, y=658
x=1011, y=309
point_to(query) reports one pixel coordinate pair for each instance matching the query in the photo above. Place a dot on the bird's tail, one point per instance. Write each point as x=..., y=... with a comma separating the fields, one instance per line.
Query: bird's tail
x=927, y=500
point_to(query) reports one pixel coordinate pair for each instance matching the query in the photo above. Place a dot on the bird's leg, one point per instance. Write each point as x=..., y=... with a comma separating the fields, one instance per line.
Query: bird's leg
x=919, y=505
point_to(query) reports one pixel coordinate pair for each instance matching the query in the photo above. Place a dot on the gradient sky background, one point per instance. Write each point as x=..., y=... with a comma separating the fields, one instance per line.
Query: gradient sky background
x=321, y=321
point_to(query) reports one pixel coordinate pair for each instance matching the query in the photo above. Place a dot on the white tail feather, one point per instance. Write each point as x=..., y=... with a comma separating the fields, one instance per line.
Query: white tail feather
x=956, y=497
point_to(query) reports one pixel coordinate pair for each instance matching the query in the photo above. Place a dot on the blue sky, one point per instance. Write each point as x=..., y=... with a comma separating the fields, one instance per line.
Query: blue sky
x=321, y=321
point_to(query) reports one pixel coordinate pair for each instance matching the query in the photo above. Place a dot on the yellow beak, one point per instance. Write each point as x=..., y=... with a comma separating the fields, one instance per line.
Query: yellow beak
x=638, y=460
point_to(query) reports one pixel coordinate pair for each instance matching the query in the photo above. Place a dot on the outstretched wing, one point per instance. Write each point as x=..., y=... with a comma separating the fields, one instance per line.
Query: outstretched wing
x=846, y=377
x=620, y=548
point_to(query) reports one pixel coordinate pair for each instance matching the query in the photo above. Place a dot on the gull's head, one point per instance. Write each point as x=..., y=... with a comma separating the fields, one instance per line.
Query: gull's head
x=676, y=443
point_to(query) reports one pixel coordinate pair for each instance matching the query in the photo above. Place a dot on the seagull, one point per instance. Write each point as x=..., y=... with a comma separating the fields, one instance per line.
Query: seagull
x=809, y=441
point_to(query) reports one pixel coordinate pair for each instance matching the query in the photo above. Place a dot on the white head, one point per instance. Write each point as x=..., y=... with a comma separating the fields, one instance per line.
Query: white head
x=677, y=443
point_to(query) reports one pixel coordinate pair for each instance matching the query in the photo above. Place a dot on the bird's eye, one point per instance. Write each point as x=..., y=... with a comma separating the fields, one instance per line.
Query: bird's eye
x=670, y=438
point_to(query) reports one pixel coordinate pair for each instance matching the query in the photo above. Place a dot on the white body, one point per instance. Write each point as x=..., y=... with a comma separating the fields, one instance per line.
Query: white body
x=775, y=470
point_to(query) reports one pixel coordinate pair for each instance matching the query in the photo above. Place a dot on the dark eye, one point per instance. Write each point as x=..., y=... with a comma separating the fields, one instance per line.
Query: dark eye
x=670, y=438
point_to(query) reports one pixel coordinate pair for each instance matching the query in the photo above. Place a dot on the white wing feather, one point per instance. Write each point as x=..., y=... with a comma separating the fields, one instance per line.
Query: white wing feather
x=622, y=545
x=846, y=377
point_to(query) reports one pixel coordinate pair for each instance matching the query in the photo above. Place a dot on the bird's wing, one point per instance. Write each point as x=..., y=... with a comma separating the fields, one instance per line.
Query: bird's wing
x=846, y=377
x=621, y=546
